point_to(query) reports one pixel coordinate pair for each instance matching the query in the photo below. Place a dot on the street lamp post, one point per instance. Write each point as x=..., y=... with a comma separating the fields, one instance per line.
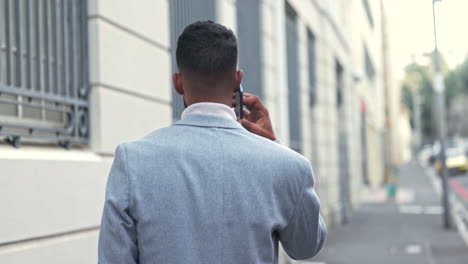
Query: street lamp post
x=416, y=79
x=417, y=120
x=440, y=97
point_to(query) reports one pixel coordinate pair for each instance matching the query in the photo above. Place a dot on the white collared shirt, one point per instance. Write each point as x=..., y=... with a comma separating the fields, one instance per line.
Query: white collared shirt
x=207, y=108
x=216, y=109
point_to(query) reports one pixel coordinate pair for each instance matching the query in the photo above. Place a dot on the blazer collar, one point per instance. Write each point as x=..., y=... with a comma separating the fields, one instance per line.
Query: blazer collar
x=205, y=120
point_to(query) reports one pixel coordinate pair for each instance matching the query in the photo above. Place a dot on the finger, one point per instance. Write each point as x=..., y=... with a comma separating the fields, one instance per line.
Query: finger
x=250, y=99
x=250, y=126
x=246, y=114
x=253, y=103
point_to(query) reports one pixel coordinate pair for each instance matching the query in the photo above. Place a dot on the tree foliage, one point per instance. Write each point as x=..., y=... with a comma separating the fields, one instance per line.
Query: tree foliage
x=419, y=79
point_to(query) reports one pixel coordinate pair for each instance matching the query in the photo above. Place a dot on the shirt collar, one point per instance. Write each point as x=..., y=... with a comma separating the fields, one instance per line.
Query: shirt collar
x=207, y=108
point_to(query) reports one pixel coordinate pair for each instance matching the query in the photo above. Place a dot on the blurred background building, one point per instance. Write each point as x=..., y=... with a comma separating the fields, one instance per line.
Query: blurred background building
x=78, y=77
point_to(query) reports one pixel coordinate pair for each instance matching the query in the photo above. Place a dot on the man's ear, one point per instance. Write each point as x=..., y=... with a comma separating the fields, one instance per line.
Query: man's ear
x=177, y=80
x=239, y=75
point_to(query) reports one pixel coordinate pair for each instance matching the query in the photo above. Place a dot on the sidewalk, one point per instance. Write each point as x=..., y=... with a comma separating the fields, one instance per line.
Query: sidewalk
x=408, y=231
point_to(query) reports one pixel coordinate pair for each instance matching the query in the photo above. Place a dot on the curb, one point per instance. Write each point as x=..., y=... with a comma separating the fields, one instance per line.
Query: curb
x=459, y=213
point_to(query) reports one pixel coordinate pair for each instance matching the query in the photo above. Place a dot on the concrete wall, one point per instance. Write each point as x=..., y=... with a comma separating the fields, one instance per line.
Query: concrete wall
x=51, y=202
x=130, y=70
x=51, y=198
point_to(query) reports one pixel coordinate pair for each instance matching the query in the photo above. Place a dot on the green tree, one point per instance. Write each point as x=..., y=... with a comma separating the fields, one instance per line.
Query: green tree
x=419, y=78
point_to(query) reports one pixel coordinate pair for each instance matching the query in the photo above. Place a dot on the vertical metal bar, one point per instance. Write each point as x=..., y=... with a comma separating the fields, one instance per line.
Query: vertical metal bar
x=65, y=53
x=74, y=33
x=19, y=50
x=83, y=92
x=440, y=97
x=8, y=42
x=84, y=49
x=39, y=77
x=72, y=49
x=56, y=33
x=38, y=48
x=74, y=66
x=46, y=46
x=19, y=54
x=2, y=22
x=28, y=26
x=79, y=43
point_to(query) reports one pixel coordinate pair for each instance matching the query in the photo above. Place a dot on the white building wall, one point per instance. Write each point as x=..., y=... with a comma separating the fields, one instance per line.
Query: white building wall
x=226, y=13
x=320, y=123
x=274, y=65
x=51, y=201
x=52, y=198
x=131, y=70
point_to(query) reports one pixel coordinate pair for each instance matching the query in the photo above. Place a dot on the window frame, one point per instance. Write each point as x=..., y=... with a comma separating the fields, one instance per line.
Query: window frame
x=312, y=67
x=294, y=99
x=47, y=73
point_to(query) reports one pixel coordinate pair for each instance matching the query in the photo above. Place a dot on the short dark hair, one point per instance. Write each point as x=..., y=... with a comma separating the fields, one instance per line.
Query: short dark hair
x=206, y=47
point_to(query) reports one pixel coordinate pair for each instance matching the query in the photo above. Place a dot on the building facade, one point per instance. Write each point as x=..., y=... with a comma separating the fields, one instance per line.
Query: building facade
x=79, y=77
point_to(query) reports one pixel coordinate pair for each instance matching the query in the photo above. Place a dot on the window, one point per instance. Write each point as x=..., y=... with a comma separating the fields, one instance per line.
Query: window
x=250, y=52
x=295, y=137
x=339, y=84
x=44, y=71
x=369, y=65
x=368, y=12
x=312, y=69
x=183, y=13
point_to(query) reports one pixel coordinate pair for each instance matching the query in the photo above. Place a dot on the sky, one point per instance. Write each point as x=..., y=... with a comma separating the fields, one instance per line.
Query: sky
x=412, y=33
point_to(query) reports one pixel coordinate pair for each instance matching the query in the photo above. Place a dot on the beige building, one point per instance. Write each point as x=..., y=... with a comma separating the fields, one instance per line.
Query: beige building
x=367, y=35
x=105, y=68
x=399, y=134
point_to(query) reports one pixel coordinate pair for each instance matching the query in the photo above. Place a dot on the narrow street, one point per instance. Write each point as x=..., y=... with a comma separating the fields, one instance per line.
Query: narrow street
x=405, y=231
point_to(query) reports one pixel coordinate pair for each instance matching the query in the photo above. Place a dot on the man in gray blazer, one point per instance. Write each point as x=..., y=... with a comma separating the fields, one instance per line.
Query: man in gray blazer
x=210, y=189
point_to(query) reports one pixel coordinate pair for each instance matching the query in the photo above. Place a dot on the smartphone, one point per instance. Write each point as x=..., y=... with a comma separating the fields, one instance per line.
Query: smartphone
x=240, y=103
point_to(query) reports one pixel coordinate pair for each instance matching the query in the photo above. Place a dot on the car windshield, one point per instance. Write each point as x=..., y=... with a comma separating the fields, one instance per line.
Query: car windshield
x=453, y=152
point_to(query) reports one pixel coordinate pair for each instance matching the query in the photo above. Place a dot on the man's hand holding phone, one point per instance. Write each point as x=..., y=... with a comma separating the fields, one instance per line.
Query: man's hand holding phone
x=256, y=118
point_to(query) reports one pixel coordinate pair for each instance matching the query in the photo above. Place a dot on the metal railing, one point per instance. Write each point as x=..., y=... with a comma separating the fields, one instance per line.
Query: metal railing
x=44, y=83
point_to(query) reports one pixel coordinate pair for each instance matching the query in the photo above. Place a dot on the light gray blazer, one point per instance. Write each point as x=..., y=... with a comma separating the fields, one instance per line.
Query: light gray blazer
x=205, y=190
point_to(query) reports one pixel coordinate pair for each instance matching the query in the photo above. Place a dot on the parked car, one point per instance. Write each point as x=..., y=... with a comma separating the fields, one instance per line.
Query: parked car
x=425, y=153
x=456, y=161
x=435, y=152
x=466, y=147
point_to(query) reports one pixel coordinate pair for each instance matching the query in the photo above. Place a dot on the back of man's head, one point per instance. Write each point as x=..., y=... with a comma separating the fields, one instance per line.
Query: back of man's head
x=206, y=48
